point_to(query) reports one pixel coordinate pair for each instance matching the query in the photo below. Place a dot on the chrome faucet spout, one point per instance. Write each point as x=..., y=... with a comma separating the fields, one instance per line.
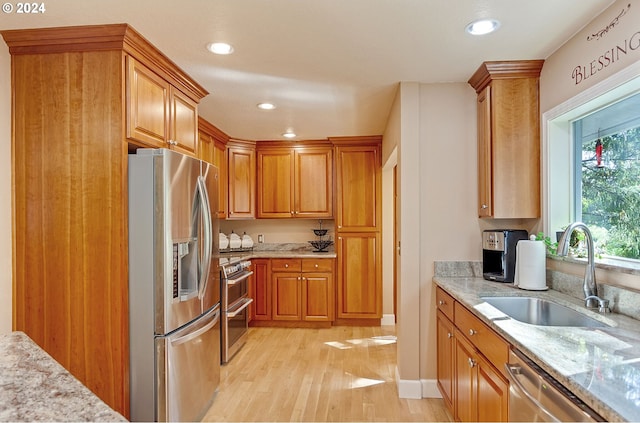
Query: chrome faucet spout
x=589, y=286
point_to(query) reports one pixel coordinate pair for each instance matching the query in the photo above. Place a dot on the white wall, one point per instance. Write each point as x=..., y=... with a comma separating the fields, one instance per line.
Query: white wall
x=5, y=191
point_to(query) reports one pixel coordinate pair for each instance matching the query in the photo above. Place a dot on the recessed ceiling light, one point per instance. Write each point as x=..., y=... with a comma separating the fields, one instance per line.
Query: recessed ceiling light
x=482, y=26
x=266, y=106
x=220, y=48
x=289, y=134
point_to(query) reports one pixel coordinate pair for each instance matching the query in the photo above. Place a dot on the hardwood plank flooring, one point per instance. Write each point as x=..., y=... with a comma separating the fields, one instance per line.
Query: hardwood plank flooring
x=338, y=374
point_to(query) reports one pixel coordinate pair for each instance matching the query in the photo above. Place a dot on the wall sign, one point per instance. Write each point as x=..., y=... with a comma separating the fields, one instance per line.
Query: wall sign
x=612, y=54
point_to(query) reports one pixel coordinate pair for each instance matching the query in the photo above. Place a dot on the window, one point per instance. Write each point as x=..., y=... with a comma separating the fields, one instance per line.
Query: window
x=607, y=177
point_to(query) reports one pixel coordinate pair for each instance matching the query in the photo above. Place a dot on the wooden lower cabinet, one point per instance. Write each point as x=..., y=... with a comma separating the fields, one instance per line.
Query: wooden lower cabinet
x=359, y=286
x=472, y=386
x=286, y=289
x=293, y=290
x=446, y=350
x=260, y=290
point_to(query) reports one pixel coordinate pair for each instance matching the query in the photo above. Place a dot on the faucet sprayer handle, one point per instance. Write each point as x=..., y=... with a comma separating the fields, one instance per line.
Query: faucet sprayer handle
x=603, y=305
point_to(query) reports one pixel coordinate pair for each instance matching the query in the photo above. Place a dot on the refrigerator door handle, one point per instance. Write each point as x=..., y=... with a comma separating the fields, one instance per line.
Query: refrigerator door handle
x=192, y=335
x=208, y=237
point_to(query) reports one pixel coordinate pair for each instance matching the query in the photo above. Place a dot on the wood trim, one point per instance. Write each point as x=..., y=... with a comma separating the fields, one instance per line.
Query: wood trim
x=356, y=140
x=504, y=70
x=296, y=144
x=219, y=137
x=100, y=38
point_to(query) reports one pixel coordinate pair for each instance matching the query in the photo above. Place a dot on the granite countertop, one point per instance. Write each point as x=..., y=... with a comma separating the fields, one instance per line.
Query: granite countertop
x=601, y=366
x=35, y=387
x=284, y=250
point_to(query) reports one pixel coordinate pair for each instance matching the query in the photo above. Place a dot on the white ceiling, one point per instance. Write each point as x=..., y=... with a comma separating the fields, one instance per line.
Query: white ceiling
x=331, y=66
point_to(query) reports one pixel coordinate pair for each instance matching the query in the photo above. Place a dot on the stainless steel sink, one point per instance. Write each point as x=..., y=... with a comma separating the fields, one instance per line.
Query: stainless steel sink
x=536, y=311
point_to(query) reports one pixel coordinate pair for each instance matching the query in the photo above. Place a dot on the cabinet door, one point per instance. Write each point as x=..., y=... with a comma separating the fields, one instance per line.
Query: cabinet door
x=445, y=367
x=261, y=290
x=359, y=181
x=492, y=393
x=466, y=406
x=220, y=160
x=275, y=183
x=242, y=178
x=286, y=296
x=184, y=123
x=147, y=106
x=484, y=154
x=313, y=183
x=317, y=297
x=359, y=276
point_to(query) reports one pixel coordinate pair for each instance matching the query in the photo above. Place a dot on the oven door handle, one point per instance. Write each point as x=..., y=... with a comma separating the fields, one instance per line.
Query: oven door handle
x=240, y=279
x=245, y=304
x=513, y=370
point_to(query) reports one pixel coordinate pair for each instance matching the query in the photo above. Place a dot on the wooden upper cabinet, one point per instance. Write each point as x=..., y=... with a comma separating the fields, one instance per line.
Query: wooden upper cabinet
x=275, y=183
x=147, y=105
x=508, y=138
x=158, y=114
x=212, y=148
x=242, y=185
x=295, y=182
x=359, y=180
x=184, y=123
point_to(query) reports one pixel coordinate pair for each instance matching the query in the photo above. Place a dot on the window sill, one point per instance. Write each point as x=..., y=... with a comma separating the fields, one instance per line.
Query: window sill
x=630, y=267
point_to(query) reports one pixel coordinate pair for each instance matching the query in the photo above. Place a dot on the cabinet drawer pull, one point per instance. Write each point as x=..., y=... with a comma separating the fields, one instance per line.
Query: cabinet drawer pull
x=472, y=362
x=472, y=332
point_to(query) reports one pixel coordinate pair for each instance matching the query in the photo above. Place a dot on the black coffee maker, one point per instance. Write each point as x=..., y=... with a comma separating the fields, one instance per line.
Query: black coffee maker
x=499, y=253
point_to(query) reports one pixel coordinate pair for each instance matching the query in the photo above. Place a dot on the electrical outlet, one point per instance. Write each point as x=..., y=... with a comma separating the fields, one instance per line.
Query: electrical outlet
x=260, y=239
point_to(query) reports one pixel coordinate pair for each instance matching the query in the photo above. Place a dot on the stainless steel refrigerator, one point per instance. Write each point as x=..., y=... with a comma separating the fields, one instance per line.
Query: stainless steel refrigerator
x=174, y=286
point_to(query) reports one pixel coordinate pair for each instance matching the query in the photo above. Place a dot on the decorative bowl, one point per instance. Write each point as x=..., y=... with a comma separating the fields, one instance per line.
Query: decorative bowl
x=320, y=246
x=320, y=232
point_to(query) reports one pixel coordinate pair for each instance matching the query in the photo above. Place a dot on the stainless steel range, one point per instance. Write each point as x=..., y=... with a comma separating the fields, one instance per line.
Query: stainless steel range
x=234, y=303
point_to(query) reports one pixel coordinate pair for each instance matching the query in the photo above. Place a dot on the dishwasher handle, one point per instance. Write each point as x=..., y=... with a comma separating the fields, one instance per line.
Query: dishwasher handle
x=513, y=370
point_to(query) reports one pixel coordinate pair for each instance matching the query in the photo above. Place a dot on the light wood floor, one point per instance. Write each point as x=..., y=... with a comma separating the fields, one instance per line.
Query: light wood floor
x=338, y=374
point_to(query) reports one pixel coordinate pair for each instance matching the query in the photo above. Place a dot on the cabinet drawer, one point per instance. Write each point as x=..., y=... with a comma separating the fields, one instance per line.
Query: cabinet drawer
x=444, y=302
x=317, y=265
x=286, y=265
x=490, y=344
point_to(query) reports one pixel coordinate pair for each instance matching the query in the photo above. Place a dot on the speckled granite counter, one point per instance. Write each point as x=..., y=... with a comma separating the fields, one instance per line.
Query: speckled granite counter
x=35, y=387
x=599, y=365
x=290, y=250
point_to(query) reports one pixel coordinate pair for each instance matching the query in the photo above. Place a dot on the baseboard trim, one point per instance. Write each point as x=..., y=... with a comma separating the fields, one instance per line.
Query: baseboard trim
x=388, y=320
x=430, y=388
x=417, y=389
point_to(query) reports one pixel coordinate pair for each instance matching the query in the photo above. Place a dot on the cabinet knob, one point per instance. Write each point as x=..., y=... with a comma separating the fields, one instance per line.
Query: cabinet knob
x=449, y=335
x=286, y=265
x=441, y=302
x=472, y=362
x=472, y=332
x=484, y=206
x=316, y=265
x=291, y=212
x=339, y=226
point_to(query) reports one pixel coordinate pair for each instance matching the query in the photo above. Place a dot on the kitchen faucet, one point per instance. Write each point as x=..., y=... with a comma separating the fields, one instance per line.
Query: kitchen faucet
x=589, y=287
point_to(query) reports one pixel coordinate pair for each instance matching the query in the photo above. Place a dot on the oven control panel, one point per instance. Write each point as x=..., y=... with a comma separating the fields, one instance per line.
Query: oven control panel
x=230, y=269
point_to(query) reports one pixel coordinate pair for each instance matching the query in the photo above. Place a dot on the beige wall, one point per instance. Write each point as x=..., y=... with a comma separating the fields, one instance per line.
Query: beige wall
x=5, y=191
x=557, y=83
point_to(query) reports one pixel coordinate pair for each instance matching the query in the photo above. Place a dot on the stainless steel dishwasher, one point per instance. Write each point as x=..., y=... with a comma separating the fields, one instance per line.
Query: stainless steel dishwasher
x=534, y=396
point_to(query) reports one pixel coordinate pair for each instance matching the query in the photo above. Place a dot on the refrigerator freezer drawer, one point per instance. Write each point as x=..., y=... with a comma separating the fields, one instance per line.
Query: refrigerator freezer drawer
x=188, y=369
